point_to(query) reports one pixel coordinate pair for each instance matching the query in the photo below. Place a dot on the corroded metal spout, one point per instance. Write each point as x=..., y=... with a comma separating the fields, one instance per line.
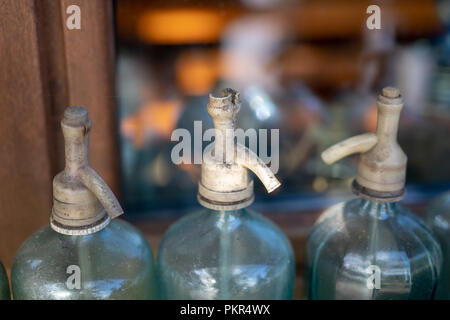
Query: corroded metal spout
x=225, y=182
x=80, y=196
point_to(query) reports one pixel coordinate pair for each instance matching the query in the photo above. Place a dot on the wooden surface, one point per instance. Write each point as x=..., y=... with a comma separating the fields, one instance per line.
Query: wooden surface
x=25, y=169
x=45, y=68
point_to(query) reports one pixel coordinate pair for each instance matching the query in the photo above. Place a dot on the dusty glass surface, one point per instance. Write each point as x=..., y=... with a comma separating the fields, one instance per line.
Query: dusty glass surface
x=114, y=263
x=438, y=219
x=4, y=284
x=370, y=250
x=225, y=255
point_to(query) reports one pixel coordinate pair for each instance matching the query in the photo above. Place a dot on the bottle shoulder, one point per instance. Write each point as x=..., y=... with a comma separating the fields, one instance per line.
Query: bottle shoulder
x=112, y=246
x=348, y=226
x=202, y=231
x=118, y=234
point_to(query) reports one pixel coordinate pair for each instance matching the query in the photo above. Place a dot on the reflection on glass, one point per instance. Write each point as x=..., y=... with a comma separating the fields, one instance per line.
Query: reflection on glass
x=438, y=219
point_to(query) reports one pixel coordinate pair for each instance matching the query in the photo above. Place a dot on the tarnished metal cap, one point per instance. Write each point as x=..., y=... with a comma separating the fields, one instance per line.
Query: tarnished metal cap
x=82, y=202
x=382, y=166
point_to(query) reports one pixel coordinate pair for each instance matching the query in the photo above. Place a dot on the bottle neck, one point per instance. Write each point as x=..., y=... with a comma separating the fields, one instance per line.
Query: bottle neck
x=378, y=210
x=224, y=141
x=228, y=212
x=77, y=155
x=387, y=125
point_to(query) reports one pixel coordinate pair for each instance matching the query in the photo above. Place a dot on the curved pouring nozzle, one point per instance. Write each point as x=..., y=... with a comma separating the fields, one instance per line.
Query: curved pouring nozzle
x=225, y=184
x=80, y=196
x=357, y=144
x=98, y=186
x=382, y=166
x=250, y=160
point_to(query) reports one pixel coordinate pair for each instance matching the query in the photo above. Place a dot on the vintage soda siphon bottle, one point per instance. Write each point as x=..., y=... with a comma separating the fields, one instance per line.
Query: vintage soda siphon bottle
x=4, y=284
x=437, y=217
x=371, y=247
x=226, y=251
x=83, y=254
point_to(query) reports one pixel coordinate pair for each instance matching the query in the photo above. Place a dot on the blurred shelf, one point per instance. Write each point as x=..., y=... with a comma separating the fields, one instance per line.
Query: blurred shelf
x=190, y=22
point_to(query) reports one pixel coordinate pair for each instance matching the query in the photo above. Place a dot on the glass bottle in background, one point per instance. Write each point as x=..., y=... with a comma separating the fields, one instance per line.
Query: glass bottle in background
x=83, y=254
x=226, y=251
x=249, y=45
x=440, y=93
x=371, y=247
x=437, y=217
x=4, y=284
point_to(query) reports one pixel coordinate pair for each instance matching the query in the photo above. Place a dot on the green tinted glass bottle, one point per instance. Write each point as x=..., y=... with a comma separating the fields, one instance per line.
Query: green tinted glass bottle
x=371, y=247
x=233, y=254
x=365, y=249
x=225, y=251
x=438, y=219
x=83, y=254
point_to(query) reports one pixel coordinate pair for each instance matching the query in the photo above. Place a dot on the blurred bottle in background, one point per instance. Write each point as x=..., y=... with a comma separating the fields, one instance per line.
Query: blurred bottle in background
x=437, y=217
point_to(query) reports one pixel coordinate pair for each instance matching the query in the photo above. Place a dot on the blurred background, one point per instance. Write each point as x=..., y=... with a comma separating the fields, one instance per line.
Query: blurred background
x=311, y=68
